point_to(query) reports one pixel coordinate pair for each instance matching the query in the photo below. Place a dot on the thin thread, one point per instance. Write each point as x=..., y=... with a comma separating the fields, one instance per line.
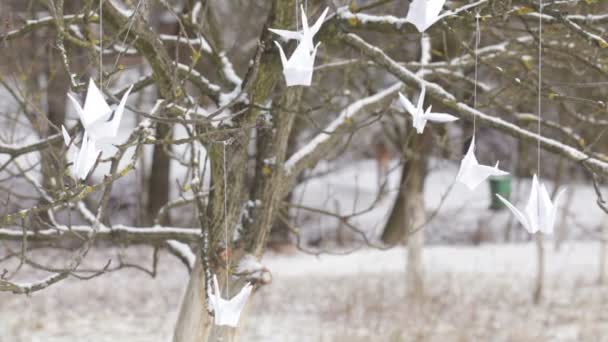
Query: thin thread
x=101, y=45
x=124, y=41
x=540, y=85
x=422, y=59
x=297, y=21
x=226, y=219
x=477, y=39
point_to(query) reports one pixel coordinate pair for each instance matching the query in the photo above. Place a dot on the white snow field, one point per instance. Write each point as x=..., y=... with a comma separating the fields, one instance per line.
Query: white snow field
x=481, y=293
x=473, y=294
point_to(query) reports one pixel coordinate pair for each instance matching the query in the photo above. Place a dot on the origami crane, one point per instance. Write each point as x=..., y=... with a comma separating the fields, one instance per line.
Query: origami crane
x=471, y=173
x=98, y=119
x=424, y=13
x=298, y=68
x=419, y=115
x=539, y=214
x=228, y=312
x=82, y=159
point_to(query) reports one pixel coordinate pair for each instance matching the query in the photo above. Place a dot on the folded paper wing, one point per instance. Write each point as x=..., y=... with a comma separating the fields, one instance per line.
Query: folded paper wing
x=97, y=117
x=66, y=136
x=471, y=173
x=83, y=159
x=419, y=115
x=548, y=209
x=228, y=312
x=298, y=69
x=424, y=13
x=540, y=212
x=95, y=107
x=306, y=35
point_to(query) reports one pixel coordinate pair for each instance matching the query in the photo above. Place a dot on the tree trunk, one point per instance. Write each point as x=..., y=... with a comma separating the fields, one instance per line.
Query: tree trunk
x=603, y=272
x=540, y=269
x=408, y=215
x=158, y=183
x=57, y=87
x=193, y=322
x=194, y=325
x=415, y=244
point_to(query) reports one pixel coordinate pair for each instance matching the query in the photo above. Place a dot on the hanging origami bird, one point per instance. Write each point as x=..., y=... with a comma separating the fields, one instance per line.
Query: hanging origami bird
x=539, y=214
x=98, y=119
x=419, y=115
x=424, y=13
x=299, y=67
x=228, y=312
x=471, y=173
x=82, y=159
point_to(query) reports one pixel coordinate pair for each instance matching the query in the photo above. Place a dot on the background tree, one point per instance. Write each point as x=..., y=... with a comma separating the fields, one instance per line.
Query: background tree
x=215, y=123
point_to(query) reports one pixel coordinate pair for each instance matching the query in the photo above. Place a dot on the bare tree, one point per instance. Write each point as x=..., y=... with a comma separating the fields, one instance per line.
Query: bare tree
x=217, y=79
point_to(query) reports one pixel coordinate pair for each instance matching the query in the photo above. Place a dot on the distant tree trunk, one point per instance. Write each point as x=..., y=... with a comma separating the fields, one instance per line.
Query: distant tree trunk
x=158, y=183
x=159, y=174
x=408, y=216
x=57, y=87
x=415, y=243
x=603, y=272
x=561, y=229
x=383, y=158
x=280, y=233
x=540, y=269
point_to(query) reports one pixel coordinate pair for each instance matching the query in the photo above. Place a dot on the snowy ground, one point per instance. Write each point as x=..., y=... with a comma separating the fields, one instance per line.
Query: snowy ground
x=456, y=214
x=473, y=294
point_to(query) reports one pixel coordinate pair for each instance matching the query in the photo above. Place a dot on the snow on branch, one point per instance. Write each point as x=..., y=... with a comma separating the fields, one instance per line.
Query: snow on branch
x=27, y=288
x=380, y=22
x=316, y=148
x=182, y=251
x=124, y=234
x=34, y=24
x=196, y=41
x=464, y=111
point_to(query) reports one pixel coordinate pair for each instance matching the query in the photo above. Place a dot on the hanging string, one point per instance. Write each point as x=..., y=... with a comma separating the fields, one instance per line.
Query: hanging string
x=422, y=58
x=101, y=45
x=477, y=39
x=297, y=21
x=226, y=218
x=124, y=41
x=540, y=78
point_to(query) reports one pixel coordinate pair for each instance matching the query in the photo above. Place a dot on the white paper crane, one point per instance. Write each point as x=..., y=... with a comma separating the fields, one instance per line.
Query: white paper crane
x=299, y=67
x=419, y=115
x=228, y=312
x=98, y=119
x=471, y=173
x=424, y=13
x=83, y=159
x=539, y=214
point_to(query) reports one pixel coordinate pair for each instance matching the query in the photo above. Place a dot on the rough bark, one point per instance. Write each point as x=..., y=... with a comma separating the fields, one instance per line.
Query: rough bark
x=268, y=190
x=191, y=313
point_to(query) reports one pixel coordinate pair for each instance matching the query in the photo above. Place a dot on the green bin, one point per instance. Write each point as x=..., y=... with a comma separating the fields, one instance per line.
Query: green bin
x=502, y=186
